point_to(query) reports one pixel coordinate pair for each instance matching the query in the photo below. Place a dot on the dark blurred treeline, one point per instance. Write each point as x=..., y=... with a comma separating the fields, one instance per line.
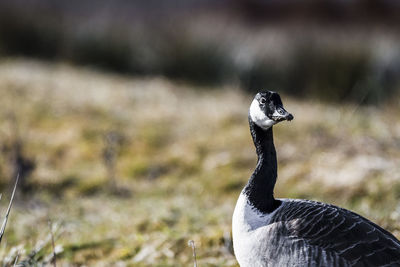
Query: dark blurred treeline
x=331, y=50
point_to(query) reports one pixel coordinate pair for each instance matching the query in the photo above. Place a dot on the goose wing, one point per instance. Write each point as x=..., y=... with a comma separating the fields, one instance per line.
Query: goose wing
x=334, y=230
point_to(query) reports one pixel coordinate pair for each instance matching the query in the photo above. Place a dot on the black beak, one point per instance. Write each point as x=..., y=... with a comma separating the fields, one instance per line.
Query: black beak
x=281, y=114
x=289, y=117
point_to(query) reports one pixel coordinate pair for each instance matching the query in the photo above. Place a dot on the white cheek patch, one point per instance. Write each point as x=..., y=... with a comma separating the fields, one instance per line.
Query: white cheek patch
x=276, y=114
x=258, y=116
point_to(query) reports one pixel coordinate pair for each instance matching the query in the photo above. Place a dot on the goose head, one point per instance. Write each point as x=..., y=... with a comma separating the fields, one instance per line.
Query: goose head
x=267, y=110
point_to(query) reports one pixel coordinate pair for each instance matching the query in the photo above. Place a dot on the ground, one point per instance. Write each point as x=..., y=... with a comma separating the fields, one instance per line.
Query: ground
x=128, y=170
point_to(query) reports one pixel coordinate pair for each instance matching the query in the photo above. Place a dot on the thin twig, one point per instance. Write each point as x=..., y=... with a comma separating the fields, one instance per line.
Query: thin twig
x=3, y=227
x=40, y=245
x=16, y=259
x=193, y=246
x=53, y=244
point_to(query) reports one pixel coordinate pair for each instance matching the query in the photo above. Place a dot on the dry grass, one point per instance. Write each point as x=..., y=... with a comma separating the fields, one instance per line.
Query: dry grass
x=182, y=158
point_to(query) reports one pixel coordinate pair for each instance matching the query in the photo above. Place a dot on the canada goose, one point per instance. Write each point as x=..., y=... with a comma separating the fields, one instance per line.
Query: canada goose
x=291, y=232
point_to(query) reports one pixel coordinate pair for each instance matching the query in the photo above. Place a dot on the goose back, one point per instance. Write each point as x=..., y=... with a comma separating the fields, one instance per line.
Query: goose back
x=308, y=233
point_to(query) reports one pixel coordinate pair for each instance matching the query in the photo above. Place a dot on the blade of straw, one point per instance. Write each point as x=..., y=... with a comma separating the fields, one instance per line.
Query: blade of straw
x=3, y=227
x=193, y=246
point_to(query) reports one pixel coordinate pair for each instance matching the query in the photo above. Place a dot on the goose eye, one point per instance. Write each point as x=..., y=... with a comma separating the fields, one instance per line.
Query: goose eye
x=263, y=101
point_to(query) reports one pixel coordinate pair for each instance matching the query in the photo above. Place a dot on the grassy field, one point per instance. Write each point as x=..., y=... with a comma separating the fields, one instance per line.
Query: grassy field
x=129, y=170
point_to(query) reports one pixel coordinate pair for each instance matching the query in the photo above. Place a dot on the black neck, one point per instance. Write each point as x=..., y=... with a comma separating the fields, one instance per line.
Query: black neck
x=260, y=187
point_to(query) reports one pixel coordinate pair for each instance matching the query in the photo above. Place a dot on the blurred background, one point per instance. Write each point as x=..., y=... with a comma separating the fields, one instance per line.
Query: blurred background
x=127, y=121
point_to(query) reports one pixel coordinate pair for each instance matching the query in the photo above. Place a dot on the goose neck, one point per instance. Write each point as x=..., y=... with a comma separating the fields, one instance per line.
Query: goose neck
x=260, y=187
